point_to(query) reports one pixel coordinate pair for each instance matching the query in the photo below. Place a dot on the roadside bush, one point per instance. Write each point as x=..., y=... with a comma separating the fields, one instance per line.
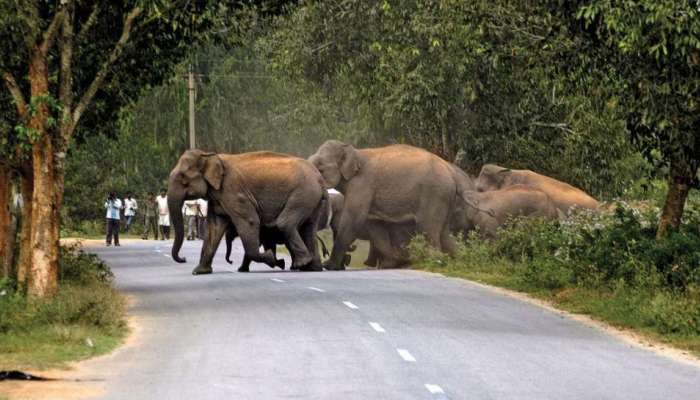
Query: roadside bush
x=604, y=248
x=85, y=297
x=76, y=266
x=608, y=264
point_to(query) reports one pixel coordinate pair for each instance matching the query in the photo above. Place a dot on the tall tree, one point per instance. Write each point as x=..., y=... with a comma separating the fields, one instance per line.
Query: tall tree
x=67, y=63
x=650, y=52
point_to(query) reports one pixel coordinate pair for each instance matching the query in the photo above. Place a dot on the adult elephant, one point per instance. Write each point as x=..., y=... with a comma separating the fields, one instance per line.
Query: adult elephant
x=490, y=210
x=564, y=196
x=396, y=184
x=252, y=191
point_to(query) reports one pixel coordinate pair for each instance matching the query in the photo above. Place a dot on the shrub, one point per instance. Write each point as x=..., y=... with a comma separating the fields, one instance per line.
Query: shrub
x=76, y=266
x=85, y=297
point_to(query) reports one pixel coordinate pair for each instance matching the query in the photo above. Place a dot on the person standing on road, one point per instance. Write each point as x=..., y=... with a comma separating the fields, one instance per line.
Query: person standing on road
x=113, y=205
x=130, y=207
x=150, y=222
x=163, y=215
x=202, y=218
x=191, y=210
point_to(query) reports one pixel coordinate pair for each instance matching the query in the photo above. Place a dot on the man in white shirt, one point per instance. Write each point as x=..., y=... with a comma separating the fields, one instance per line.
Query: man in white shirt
x=130, y=207
x=113, y=205
x=202, y=218
x=191, y=210
x=163, y=215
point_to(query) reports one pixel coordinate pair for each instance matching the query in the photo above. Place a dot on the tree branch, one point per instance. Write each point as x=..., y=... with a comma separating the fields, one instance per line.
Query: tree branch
x=16, y=93
x=50, y=32
x=89, y=22
x=104, y=69
x=562, y=126
x=65, y=89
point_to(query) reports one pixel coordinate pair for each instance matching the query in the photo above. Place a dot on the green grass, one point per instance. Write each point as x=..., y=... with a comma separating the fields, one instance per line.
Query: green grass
x=53, y=346
x=87, y=317
x=650, y=312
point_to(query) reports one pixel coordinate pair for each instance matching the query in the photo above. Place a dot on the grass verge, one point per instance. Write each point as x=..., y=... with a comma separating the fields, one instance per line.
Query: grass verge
x=623, y=308
x=607, y=266
x=85, y=318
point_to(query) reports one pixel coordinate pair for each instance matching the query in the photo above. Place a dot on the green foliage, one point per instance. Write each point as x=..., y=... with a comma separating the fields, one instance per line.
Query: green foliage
x=641, y=282
x=475, y=76
x=85, y=297
x=42, y=332
x=79, y=267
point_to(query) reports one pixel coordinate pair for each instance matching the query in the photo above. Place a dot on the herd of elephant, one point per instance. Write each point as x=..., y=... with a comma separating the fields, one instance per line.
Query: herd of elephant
x=385, y=195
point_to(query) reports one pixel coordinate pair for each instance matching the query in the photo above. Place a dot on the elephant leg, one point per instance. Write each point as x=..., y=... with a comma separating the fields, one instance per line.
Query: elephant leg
x=245, y=264
x=448, y=242
x=372, y=257
x=216, y=228
x=353, y=217
x=308, y=234
x=288, y=222
x=380, y=239
x=271, y=245
x=432, y=221
x=249, y=232
x=230, y=236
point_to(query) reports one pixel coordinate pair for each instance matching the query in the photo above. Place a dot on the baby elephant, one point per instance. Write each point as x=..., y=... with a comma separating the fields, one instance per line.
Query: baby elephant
x=269, y=239
x=490, y=210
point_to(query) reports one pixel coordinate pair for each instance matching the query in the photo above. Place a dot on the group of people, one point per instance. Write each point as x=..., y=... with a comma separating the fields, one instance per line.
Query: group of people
x=156, y=215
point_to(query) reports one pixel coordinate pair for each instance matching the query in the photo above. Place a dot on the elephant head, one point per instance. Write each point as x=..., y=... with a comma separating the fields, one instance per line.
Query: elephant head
x=491, y=177
x=336, y=161
x=464, y=215
x=195, y=174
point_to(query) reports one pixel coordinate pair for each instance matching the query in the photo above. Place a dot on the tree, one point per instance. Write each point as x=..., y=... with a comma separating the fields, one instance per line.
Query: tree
x=66, y=64
x=650, y=52
x=449, y=75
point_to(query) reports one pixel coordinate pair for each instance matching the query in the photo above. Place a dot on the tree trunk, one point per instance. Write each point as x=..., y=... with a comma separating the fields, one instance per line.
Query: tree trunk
x=5, y=223
x=43, y=269
x=680, y=181
x=25, y=235
x=43, y=279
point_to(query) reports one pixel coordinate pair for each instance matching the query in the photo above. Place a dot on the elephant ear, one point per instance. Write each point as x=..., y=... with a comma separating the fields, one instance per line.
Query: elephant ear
x=349, y=163
x=213, y=170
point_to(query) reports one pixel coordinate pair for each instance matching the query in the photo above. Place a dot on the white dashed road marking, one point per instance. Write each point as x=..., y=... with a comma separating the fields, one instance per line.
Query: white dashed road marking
x=317, y=289
x=166, y=255
x=406, y=355
x=277, y=280
x=350, y=305
x=434, y=389
x=377, y=327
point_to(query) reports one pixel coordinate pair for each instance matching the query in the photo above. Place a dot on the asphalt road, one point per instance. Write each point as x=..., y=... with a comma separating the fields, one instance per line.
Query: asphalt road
x=358, y=335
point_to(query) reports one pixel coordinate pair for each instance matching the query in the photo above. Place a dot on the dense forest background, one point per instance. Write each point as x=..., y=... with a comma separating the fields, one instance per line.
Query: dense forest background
x=453, y=78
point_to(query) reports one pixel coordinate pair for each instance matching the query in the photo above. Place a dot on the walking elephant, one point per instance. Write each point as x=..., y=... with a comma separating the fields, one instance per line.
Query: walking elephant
x=399, y=234
x=487, y=211
x=564, y=196
x=396, y=184
x=253, y=191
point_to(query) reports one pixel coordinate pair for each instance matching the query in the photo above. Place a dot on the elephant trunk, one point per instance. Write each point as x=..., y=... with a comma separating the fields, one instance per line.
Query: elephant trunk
x=175, y=208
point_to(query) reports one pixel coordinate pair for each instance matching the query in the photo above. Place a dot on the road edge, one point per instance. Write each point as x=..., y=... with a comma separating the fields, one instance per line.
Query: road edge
x=627, y=336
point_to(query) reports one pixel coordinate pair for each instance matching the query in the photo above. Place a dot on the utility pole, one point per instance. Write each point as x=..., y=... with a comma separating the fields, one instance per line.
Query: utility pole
x=192, y=93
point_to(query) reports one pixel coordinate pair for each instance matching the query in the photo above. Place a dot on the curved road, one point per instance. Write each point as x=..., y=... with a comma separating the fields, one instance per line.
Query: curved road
x=358, y=335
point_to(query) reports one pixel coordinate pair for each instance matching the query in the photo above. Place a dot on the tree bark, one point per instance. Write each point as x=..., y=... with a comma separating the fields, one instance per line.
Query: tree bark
x=25, y=235
x=5, y=223
x=681, y=178
x=43, y=268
